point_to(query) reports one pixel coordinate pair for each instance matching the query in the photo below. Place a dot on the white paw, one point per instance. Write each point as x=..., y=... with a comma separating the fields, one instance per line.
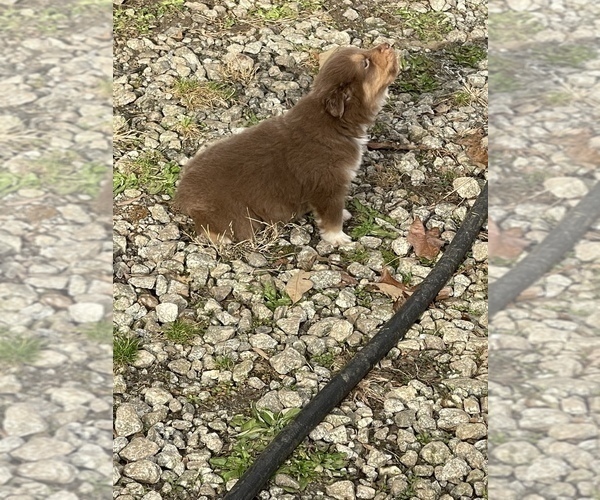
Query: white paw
x=336, y=238
x=346, y=215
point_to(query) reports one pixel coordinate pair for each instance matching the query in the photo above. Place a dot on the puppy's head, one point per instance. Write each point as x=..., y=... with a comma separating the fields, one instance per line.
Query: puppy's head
x=353, y=82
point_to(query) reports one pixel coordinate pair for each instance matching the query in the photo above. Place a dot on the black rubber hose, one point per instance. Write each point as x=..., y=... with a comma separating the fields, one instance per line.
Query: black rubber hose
x=546, y=254
x=252, y=482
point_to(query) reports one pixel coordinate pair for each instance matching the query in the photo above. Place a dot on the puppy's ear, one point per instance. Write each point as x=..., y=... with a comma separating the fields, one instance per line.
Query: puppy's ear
x=335, y=102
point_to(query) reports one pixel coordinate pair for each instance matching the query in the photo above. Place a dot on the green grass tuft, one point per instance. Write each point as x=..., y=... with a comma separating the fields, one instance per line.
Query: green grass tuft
x=365, y=224
x=101, y=332
x=570, y=55
x=15, y=349
x=125, y=349
x=274, y=298
x=467, y=54
x=141, y=20
x=194, y=93
x=306, y=464
x=62, y=174
x=224, y=362
x=428, y=26
x=181, y=332
x=419, y=75
x=148, y=172
x=510, y=26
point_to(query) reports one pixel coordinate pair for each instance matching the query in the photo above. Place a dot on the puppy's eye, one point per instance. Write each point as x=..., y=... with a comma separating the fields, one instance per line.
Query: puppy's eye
x=366, y=63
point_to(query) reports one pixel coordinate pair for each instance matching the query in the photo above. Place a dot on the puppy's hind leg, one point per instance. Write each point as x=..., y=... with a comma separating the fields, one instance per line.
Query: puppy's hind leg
x=216, y=235
x=218, y=239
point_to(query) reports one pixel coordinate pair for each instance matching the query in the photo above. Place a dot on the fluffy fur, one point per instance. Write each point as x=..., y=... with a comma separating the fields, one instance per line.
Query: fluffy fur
x=289, y=165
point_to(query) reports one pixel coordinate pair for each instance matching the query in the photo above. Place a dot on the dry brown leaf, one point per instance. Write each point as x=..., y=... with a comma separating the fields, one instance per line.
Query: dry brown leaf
x=444, y=293
x=475, y=147
x=425, y=242
x=298, y=285
x=390, y=286
x=390, y=290
x=398, y=304
x=507, y=244
x=386, y=277
x=261, y=353
x=347, y=279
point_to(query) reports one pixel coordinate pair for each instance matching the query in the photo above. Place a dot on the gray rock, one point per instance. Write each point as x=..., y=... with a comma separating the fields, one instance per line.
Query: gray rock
x=42, y=448
x=49, y=471
x=86, y=312
x=470, y=386
x=542, y=418
x=352, y=15
x=212, y=441
x=377, y=458
x=516, y=452
x=70, y=397
x=218, y=334
x=341, y=490
x=143, y=471
x=544, y=469
x=290, y=325
x=241, y=370
x=287, y=482
x=127, y=421
x=325, y=279
x=466, y=187
x=454, y=471
x=256, y=259
x=23, y=419
x=288, y=360
x=576, y=432
x=92, y=456
x=9, y=384
x=468, y=432
x=157, y=396
x=167, y=312
x=436, y=453
x=306, y=258
x=338, y=329
x=180, y=366
x=262, y=341
x=566, y=187
x=139, y=449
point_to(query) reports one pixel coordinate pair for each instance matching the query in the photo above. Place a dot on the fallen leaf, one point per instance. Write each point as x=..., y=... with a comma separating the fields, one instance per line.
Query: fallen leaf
x=390, y=290
x=386, y=277
x=444, y=293
x=476, y=147
x=261, y=353
x=398, y=304
x=347, y=279
x=579, y=144
x=426, y=243
x=298, y=285
x=507, y=244
x=390, y=286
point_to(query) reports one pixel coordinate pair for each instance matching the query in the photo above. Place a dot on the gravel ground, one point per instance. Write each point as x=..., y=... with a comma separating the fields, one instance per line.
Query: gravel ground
x=545, y=368
x=55, y=249
x=213, y=355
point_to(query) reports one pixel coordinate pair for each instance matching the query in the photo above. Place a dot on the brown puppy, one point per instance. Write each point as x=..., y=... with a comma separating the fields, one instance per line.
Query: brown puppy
x=289, y=165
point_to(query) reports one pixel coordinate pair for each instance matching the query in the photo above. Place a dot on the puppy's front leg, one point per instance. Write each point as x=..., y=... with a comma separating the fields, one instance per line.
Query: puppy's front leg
x=330, y=216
